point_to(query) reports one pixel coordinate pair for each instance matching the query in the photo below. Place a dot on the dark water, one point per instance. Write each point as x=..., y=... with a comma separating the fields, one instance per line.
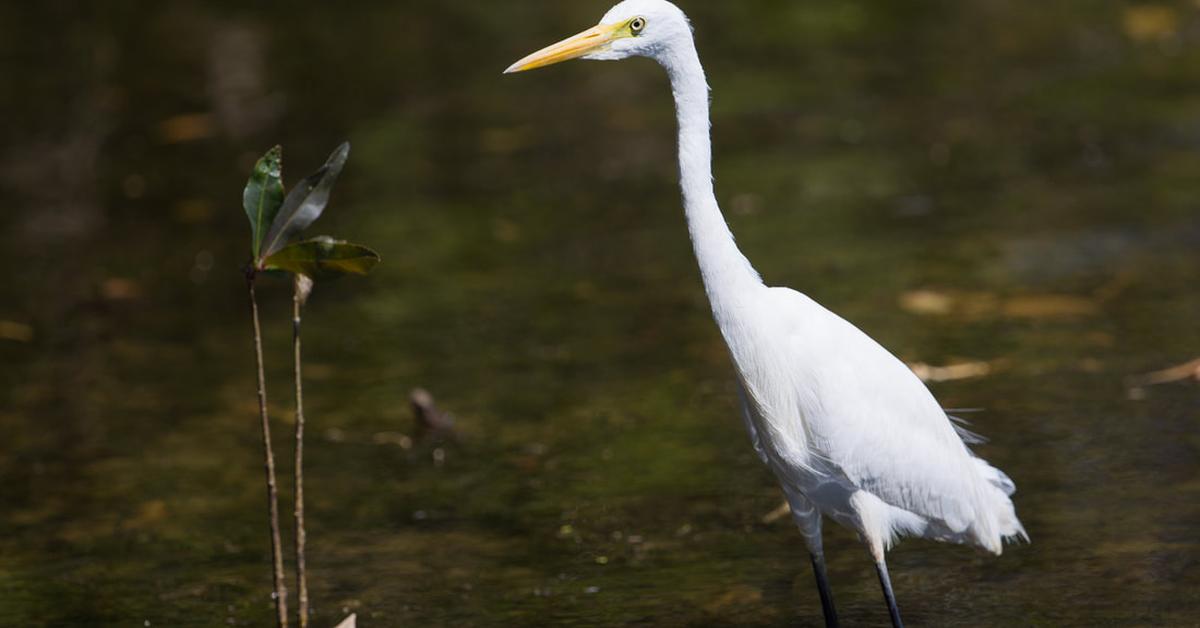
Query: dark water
x=969, y=182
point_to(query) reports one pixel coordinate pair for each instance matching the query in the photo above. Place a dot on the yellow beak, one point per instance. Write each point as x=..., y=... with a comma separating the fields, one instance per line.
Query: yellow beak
x=592, y=40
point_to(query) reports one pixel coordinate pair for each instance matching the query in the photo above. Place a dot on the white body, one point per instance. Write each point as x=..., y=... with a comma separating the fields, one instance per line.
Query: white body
x=848, y=429
x=852, y=434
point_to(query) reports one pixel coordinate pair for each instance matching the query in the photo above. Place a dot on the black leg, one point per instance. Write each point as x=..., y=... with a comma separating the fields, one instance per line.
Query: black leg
x=886, y=583
x=818, y=563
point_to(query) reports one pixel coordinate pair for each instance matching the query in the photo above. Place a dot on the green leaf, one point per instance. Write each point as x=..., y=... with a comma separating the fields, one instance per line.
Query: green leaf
x=305, y=202
x=323, y=257
x=264, y=196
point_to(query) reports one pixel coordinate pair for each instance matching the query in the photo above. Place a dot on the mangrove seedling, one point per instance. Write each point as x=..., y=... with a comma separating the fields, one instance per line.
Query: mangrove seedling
x=275, y=220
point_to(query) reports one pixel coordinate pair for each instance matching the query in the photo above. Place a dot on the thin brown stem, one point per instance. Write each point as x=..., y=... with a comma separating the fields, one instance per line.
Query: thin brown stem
x=301, y=536
x=272, y=492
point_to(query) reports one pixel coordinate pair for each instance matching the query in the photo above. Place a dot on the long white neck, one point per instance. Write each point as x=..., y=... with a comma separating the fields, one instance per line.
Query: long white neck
x=725, y=271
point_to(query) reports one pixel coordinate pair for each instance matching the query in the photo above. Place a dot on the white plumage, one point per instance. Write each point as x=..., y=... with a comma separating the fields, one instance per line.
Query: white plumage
x=847, y=426
x=849, y=430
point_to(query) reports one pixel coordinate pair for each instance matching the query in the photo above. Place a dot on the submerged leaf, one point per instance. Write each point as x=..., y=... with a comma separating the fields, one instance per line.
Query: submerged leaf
x=19, y=332
x=305, y=202
x=1151, y=22
x=263, y=196
x=323, y=257
x=1039, y=306
x=978, y=305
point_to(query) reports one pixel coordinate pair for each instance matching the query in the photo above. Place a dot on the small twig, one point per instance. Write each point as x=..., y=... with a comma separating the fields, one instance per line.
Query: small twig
x=302, y=288
x=272, y=492
x=428, y=418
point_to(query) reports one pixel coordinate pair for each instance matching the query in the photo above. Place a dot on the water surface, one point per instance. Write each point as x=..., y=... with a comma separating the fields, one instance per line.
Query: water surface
x=969, y=182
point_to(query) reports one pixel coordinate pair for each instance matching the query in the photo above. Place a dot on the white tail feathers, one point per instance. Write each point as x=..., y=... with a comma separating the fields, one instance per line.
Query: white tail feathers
x=1003, y=516
x=995, y=477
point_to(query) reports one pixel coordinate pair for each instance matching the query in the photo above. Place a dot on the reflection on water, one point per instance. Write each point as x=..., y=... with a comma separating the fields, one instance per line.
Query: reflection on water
x=972, y=183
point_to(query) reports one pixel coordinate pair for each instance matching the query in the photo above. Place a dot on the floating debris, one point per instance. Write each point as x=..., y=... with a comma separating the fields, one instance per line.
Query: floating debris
x=1182, y=372
x=1050, y=306
x=927, y=302
x=981, y=305
x=739, y=596
x=951, y=372
x=779, y=513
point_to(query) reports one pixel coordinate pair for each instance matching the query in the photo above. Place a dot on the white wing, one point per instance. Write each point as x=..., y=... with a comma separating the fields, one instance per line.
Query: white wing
x=871, y=418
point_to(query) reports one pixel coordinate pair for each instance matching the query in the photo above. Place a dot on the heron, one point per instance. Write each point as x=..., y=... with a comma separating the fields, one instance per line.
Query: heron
x=848, y=430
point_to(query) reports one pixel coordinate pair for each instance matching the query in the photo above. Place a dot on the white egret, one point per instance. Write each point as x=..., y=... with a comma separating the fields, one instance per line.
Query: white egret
x=847, y=428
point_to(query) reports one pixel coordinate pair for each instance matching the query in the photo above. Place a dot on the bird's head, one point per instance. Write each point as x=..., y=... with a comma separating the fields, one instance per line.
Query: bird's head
x=633, y=28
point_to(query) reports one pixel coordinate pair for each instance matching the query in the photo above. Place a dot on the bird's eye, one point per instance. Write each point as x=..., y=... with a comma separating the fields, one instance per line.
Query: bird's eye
x=637, y=25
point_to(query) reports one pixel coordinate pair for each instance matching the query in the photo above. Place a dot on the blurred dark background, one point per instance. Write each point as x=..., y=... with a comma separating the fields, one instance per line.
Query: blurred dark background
x=1004, y=194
